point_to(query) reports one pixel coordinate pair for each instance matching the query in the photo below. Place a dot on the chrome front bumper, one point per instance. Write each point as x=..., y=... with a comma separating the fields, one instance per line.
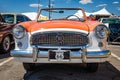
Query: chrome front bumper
x=82, y=56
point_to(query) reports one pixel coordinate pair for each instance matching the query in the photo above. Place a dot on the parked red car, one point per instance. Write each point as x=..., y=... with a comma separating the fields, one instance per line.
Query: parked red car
x=6, y=38
x=13, y=18
x=7, y=21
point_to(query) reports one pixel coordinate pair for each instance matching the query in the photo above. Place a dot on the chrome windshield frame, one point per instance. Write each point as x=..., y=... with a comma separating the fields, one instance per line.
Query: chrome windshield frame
x=39, y=11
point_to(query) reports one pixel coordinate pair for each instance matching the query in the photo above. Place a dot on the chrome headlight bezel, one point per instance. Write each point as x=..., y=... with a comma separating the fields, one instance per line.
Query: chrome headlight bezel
x=101, y=31
x=19, y=31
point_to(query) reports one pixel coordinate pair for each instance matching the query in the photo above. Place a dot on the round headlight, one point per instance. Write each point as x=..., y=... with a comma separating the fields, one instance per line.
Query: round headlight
x=19, y=31
x=101, y=31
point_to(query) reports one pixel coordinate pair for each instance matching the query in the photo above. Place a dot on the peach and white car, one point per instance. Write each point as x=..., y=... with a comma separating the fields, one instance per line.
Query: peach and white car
x=66, y=36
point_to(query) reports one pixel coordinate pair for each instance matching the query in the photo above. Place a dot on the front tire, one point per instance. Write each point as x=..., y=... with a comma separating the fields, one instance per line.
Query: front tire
x=5, y=45
x=92, y=67
x=29, y=66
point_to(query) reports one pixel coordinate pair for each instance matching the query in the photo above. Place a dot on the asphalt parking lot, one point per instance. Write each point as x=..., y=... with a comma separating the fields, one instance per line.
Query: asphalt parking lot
x=12, y=70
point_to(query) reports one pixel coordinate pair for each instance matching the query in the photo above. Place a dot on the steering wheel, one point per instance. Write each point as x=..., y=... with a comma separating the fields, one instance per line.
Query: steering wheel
x=68, y=17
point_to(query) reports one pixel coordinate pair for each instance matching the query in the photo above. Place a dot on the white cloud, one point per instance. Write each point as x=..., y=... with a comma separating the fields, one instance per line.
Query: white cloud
x=101, y=5
x=35, y=5
x=116, y=2
x=52, y=5
x=118, y=8
x=67, y=1
x=85, y=1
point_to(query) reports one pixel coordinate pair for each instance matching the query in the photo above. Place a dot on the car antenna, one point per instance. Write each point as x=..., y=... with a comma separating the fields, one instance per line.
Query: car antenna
x=50, y=5
x=38, y=5
x=38, y=10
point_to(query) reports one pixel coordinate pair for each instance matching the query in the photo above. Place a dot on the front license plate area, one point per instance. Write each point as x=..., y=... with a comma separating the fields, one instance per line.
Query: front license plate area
x=59, y=55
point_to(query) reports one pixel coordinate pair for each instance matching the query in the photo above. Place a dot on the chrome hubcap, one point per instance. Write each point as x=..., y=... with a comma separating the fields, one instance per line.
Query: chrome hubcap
x=6, y=43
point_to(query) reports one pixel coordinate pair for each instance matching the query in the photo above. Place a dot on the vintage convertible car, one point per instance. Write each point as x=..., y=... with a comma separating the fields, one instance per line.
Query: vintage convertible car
x=66, y=36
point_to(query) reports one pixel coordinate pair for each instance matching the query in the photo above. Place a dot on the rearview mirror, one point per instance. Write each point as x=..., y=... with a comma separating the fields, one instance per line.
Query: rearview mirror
x=61, y=11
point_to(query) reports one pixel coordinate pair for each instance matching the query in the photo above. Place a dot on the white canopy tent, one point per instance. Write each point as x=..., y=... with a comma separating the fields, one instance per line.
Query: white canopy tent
x=103, y=13
x=31, y=15
x=100, y=12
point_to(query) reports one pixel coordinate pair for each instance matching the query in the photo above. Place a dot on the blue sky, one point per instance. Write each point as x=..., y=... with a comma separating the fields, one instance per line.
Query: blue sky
x=20, y=6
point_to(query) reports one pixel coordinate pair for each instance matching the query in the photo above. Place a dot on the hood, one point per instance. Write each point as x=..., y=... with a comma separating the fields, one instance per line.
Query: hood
x=58, y=24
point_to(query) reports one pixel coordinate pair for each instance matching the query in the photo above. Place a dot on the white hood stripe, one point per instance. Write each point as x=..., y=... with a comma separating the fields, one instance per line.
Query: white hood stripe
x=59, y=29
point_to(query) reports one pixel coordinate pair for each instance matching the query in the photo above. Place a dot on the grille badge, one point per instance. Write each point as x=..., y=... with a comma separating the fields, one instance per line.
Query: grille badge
x=60, y=38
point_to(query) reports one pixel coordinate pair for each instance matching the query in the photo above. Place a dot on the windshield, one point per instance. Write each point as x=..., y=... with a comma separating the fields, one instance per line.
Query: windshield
x=61, y=14
x=111, y=21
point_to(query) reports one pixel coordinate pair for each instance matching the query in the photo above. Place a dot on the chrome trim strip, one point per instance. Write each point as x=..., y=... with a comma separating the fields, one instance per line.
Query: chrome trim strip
x=21, y=53
x=61, y=30
x=74, y=54
x=104, y=53
x=62, y=47
x=45, y=60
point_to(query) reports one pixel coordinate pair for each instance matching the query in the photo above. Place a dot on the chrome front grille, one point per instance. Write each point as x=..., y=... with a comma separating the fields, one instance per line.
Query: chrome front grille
x=59, y=39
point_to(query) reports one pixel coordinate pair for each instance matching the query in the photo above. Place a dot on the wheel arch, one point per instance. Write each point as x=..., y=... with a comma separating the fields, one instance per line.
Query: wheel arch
x=10, y=36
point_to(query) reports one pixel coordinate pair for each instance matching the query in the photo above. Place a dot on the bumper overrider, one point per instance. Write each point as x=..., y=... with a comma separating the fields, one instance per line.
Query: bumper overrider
x=60, y=56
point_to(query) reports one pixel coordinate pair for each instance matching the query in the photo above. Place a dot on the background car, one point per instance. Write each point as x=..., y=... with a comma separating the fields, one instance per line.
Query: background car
x=13, y=18
x=114, y=27
x=8, y=20
x=6, y=37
